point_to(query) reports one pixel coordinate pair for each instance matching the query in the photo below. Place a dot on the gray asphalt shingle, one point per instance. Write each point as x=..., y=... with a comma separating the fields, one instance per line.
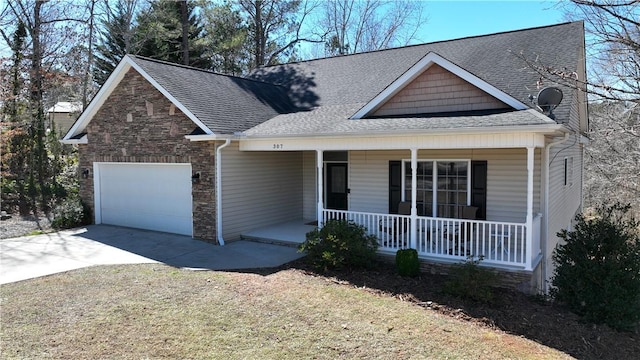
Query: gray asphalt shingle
x=319, y=96
x=225, y=104
x=356, y=79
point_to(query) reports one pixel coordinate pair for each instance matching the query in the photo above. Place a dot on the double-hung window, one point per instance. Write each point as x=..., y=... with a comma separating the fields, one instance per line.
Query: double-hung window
x=442, y=186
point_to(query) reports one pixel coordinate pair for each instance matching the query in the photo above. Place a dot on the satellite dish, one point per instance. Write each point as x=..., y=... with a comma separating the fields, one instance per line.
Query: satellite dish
x=548, y=99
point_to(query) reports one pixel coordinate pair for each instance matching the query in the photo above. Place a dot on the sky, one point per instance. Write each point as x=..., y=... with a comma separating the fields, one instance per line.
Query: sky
x=456, y=19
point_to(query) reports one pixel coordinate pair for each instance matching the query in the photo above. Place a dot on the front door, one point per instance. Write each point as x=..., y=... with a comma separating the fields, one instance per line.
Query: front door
x=336, y=190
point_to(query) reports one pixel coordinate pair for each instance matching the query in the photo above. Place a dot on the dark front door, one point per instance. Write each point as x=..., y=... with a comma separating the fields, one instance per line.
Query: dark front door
x=337, y=191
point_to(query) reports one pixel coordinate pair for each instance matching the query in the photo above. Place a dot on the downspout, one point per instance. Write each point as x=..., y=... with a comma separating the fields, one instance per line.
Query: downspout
x=219, y=190
x=545, y=216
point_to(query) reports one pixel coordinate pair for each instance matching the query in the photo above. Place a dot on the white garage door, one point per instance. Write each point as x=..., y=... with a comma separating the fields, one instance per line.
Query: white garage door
x=145, y=196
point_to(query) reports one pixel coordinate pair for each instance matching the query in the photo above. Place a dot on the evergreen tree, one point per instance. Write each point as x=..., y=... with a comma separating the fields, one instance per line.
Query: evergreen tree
x=161, y=32
x=227, y=37
x=117, y=39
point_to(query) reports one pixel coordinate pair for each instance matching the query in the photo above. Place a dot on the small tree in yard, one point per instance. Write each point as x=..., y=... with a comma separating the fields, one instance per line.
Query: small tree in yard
x=597, y=271
x=340, y=244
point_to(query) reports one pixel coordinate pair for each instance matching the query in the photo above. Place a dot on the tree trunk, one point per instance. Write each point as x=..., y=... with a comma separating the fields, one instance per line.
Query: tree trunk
x=184, y=12
x=85, y=81
x=37, y=112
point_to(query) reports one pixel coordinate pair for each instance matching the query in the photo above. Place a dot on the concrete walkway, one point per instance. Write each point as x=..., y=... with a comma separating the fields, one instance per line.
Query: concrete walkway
x=33, y=256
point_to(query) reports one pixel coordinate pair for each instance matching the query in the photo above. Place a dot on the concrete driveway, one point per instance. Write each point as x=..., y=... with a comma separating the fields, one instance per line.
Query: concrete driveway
x=33, y=256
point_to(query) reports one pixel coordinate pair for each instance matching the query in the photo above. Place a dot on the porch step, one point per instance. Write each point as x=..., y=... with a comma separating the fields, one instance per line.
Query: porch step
x=265, y=240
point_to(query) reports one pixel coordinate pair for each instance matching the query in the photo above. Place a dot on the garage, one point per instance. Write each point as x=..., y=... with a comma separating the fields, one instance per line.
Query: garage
x=145, y=196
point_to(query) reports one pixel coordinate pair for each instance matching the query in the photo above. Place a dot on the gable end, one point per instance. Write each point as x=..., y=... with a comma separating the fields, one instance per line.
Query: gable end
x=418, y=69
x=438, y=90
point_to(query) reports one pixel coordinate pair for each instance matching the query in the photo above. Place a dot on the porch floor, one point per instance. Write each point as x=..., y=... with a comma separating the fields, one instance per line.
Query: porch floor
x=290, y=232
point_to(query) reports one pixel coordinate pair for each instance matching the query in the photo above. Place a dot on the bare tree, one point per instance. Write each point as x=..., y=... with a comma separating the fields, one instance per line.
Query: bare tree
x=613, y=50
x=364, y=25
x=612, y=159
x=275, y=27
x=50, y=29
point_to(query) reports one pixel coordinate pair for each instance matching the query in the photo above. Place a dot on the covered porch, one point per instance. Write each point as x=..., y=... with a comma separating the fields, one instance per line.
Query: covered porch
x=354, y=183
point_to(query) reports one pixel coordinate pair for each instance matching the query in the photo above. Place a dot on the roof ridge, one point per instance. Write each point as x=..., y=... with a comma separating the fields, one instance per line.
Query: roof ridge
x=423, y=44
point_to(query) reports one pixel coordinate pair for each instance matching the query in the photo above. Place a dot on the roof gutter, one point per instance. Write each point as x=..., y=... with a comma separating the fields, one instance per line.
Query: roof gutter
x=208, y=137
x=545, y=218
x=544, y=129
x=219, y=190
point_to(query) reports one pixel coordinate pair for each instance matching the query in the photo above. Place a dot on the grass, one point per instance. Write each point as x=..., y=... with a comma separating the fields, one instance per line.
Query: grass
x=155, y=311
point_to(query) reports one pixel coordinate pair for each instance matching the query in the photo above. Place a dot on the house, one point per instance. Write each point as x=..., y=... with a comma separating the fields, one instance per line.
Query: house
x=62, y=115
x=447, y=127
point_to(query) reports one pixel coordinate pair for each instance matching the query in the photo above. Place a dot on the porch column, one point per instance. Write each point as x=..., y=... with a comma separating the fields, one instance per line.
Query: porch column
x=320, y=175
x=529, y=220
x=414, y=199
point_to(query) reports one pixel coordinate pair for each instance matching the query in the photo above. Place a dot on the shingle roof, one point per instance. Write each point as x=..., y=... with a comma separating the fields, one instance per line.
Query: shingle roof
x=225, y=104
x=319, y=96
x=333, y=120
x=351, y=81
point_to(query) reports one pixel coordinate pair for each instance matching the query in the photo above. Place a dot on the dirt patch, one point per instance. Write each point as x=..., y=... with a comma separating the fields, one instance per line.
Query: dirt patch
x=512, y=311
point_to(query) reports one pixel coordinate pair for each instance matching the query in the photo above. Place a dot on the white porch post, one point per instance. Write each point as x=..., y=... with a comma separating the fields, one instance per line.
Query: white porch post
x=529, y=220
x=320, y=182
x=414, y=199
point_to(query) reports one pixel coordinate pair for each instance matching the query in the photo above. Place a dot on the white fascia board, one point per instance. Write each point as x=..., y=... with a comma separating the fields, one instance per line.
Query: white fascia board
x=107, y=88
x=422, y=65
x=539, y=129
x=82, y=140
x=208, y=137
x=173, y=100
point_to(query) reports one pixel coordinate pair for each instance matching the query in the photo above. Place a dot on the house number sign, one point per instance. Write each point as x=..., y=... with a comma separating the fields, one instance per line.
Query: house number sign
x=278, y=146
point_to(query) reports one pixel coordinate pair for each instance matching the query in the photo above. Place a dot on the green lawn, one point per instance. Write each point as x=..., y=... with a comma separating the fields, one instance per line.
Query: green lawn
x=154, y=311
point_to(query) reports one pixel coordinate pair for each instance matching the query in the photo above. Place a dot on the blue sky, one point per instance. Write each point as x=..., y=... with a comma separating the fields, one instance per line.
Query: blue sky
x=455, y=19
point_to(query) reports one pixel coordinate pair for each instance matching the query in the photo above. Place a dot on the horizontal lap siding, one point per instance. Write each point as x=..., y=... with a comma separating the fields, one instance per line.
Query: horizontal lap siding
x=310, y=189
x=369, y=179
x=506, y=179
x=259, y=189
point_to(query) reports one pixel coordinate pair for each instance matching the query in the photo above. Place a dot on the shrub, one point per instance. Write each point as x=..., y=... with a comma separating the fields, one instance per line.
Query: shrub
x=71, y=212
x=407, y=262
x=597, y=272
x=340, y=244
x=471, y=281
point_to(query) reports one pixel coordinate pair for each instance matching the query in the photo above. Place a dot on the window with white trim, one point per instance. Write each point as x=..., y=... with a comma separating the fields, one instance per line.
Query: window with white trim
x=451, y=191
x=568, y=171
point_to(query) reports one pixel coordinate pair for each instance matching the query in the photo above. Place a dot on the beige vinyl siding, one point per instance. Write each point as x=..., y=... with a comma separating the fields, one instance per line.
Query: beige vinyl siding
x=438, y=90
x=564, y=200
x=369, y=179
x=62, y=121
x=310, y=187
x=506, y=179
x=259, y=189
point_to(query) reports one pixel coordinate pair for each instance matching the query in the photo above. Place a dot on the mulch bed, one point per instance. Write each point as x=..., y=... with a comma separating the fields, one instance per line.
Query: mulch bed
x=512, y=311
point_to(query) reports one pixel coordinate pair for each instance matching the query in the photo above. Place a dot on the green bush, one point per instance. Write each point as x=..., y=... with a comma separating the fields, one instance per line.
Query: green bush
x=340, y=244
x=597, y=272
x=72, y=212
x=407, y=262
x=471, y=281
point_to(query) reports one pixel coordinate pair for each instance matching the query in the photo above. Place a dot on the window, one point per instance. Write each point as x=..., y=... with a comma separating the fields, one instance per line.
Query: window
x=568, y=171
x=451, y=179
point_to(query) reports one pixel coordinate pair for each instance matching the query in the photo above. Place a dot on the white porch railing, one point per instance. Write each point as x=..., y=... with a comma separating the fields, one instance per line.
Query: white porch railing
x=499, y=243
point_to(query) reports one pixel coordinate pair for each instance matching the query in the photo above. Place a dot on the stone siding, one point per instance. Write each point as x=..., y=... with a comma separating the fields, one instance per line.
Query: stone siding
x=527, y=282
x=139, y=124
